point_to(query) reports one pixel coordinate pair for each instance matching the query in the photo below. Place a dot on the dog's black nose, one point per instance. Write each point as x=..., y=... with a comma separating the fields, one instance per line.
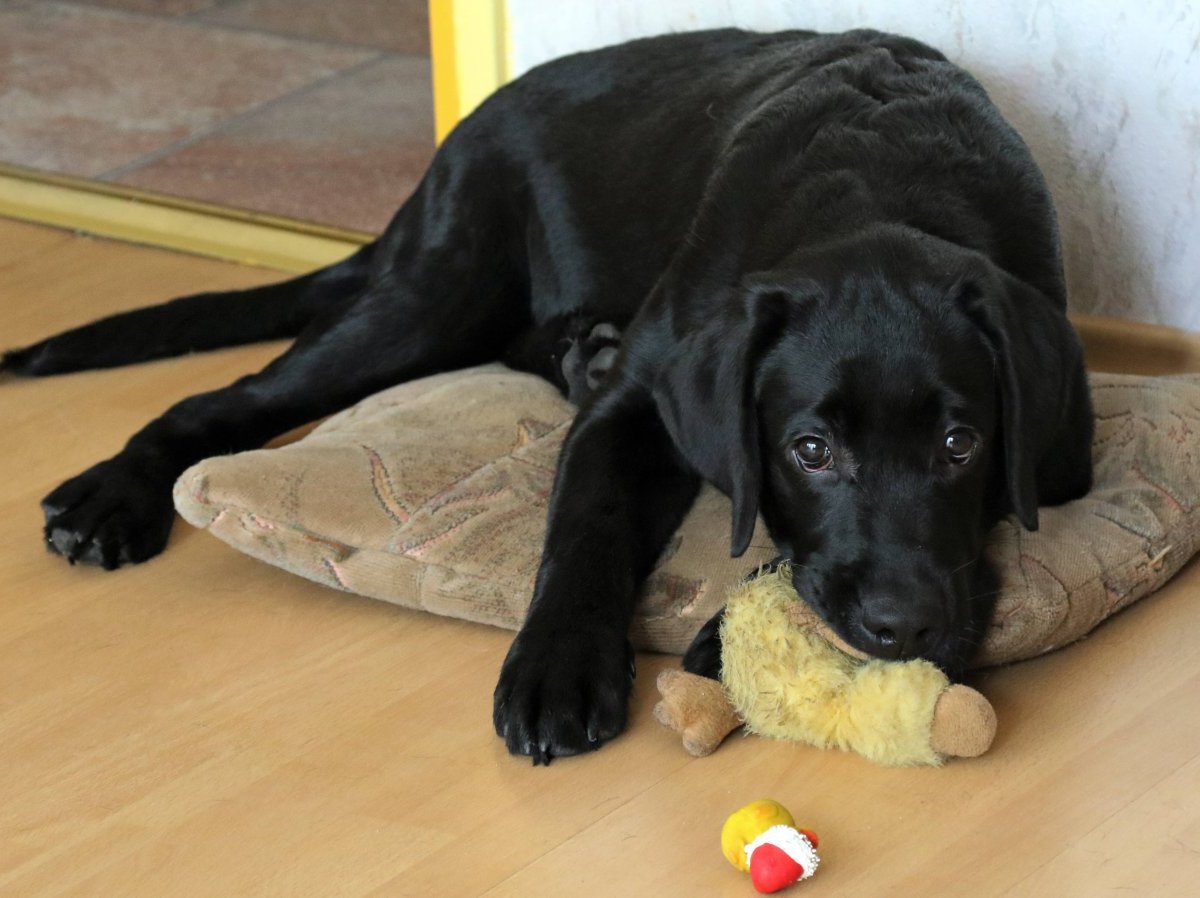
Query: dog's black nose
x=900, y=632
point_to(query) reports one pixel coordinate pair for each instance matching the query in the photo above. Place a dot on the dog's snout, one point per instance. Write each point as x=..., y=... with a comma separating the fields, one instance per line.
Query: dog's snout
x=900, y=631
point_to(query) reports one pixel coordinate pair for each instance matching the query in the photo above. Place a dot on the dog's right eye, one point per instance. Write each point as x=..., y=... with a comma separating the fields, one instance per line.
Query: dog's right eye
x=812, y=454
x=961, y=446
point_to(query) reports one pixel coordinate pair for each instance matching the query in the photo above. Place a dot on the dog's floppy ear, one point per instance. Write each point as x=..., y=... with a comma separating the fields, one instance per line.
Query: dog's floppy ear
x=1045, y=404
x=705, y=393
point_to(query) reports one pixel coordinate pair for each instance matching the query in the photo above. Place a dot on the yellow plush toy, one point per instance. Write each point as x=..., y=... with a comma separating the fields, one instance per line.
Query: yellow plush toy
x=784, y=674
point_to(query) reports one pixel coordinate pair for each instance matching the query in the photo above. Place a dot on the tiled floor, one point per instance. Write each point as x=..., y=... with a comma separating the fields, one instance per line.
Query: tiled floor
x=308, y=108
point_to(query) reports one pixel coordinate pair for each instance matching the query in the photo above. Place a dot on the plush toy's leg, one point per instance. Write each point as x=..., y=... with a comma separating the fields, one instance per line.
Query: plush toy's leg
x=696, y=708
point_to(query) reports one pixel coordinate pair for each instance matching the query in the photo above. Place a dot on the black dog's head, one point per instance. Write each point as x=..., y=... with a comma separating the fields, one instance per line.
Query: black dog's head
x=882, y=422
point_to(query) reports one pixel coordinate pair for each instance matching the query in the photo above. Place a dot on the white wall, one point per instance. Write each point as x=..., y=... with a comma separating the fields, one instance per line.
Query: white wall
x=1107, y=94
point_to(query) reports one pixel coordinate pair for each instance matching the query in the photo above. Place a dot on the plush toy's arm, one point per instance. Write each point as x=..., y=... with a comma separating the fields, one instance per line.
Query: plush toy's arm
x=964, y=723
x=696, y=708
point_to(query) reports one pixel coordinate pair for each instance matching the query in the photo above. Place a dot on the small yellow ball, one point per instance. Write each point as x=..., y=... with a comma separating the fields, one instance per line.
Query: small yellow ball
x=745, y=825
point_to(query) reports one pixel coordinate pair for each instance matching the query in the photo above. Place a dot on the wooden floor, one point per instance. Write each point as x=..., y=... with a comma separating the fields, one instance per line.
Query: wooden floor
x=206, y=725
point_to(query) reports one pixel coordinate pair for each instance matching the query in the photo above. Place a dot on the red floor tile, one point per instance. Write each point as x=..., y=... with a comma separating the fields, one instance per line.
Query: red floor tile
x=87, y=91
x=401, y=26
x=346, y=153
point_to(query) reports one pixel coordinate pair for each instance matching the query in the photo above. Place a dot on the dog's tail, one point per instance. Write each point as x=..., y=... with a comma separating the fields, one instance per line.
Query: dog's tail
x=194, y=323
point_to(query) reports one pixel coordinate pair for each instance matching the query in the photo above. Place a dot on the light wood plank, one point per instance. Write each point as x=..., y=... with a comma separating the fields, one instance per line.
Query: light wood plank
x=206, y=725
x=1161, y=860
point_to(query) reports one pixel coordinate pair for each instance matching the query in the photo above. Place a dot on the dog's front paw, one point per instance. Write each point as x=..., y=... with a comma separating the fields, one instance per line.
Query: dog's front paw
x=117, y=512
x=562, y=693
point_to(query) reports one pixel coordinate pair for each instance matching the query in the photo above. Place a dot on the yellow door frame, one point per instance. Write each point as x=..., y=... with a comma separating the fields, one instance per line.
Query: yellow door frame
x=471, y=48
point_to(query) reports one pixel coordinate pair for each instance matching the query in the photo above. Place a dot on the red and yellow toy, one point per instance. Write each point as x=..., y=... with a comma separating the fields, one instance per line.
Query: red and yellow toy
x=762, y=839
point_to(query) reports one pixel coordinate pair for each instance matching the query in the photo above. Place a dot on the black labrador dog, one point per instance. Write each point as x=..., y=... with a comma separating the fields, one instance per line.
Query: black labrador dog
x=837, y=277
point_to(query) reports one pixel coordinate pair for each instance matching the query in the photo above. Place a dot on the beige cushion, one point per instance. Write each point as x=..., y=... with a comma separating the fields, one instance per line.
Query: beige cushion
x=1138, y=526
x=433, y=495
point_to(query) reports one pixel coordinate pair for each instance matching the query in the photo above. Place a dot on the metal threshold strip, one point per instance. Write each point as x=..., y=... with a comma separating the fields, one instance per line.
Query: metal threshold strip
x=153, y=219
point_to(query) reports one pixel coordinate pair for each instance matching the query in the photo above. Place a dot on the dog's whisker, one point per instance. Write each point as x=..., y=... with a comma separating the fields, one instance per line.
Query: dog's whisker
x=965, y=564
x=984, y=595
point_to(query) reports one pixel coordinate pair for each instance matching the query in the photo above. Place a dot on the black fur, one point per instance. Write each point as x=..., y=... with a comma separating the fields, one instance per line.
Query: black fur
x=829, y=245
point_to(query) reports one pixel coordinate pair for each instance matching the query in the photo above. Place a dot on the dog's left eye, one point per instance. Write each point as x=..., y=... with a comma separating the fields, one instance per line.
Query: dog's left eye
x=812, y=454
x=961, y=446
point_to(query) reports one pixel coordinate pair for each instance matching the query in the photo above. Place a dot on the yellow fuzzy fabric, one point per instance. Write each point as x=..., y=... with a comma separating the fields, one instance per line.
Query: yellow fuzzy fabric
x=788, y=682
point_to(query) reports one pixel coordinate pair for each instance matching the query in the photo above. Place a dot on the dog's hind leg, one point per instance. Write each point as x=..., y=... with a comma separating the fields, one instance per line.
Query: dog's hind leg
x=194, y=323
x=120, y=510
